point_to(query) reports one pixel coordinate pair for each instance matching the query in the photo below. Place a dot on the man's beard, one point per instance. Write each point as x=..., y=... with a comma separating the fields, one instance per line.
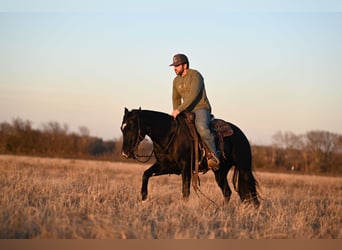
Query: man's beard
x=179, y=73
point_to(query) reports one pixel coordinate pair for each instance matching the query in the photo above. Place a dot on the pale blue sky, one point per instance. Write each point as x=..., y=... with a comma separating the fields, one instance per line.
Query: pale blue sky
x=264, y=70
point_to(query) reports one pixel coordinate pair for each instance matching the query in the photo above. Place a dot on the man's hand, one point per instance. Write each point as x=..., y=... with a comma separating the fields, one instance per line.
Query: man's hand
x=175, y=113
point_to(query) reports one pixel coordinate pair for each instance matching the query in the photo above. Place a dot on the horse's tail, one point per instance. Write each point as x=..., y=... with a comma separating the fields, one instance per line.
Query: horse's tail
x=245, y=185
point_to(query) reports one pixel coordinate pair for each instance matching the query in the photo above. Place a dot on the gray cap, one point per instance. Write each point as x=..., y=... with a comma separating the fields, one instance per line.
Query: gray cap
x=179, y=59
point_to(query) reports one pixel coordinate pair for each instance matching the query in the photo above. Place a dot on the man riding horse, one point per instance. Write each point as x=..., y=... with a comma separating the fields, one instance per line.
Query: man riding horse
x=189, y=95
x=174, y=140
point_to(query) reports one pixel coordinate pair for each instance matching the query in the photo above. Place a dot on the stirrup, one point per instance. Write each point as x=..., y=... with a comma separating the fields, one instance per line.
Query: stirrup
x=213, y=162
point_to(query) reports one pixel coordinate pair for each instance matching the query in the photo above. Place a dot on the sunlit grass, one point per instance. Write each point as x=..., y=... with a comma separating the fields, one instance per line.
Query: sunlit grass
x=56, y=198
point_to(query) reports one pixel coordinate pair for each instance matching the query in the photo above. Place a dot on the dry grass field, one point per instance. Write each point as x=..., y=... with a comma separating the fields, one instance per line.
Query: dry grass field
x=75, y=199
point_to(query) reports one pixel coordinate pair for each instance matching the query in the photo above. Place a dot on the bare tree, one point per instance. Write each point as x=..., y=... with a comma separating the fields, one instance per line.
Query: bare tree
x=322, y=146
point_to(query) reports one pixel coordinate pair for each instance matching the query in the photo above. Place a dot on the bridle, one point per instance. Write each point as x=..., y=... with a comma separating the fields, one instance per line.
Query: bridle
x=136, y=146
x=140, y=138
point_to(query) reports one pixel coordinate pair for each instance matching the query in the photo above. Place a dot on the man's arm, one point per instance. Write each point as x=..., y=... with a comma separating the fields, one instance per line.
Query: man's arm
x=176, y=97
x=196, y=86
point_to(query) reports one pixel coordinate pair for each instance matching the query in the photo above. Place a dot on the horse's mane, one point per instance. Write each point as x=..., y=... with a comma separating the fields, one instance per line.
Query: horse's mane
x=154, y=113
x=161, y=116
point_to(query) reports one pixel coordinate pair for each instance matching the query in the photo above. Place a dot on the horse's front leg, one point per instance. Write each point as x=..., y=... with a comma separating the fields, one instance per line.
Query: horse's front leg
x=146, y=176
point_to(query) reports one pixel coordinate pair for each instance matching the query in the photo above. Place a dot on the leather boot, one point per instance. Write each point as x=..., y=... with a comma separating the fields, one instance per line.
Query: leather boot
x=213, y=162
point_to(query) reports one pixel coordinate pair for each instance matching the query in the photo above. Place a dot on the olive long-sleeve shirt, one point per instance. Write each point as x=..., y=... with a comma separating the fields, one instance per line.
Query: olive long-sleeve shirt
x=189, y=93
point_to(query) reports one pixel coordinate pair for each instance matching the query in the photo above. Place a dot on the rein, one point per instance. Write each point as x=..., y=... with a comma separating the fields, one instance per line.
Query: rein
x=137, y=156
x=195, y=161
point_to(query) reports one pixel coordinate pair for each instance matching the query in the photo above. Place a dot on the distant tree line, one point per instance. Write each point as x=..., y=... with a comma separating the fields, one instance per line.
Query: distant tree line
x=54, y=140
x=316, y=152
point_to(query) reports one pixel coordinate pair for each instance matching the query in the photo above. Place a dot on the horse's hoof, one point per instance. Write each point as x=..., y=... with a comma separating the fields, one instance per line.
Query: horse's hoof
x=144, y=197
x=144, y=201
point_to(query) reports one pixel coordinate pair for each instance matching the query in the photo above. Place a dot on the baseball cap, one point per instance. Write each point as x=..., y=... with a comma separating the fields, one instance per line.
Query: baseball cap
x=179, y=59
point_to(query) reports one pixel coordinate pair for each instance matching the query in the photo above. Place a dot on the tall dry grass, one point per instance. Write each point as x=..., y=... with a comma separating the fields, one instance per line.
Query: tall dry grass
x=56, y=198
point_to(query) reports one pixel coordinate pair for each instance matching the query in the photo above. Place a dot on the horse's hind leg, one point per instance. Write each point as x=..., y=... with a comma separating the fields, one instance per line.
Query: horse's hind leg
x=247, y=187
x=221, y=180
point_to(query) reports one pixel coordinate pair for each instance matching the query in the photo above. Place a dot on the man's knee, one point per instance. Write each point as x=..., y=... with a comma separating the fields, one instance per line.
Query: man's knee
x=203, y=131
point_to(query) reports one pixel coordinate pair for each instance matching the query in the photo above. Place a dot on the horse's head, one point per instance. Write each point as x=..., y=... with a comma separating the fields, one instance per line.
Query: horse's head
x=133, y=132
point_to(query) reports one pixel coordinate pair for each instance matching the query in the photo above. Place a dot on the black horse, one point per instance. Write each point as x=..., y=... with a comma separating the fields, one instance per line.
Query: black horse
x=173, y=149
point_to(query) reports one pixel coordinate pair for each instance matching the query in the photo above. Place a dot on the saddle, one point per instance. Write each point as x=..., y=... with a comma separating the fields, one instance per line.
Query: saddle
x=218, y=127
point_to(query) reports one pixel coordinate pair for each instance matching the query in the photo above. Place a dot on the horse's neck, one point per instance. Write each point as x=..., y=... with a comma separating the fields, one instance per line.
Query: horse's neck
x=158, y=126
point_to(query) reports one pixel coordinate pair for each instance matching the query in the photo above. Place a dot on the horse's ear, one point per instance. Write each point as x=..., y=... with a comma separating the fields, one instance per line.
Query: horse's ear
x=126, y=111
x=139, y=108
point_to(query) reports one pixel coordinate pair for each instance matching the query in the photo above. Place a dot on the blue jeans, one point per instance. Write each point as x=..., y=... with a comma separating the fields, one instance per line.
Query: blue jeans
x=202, y=121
